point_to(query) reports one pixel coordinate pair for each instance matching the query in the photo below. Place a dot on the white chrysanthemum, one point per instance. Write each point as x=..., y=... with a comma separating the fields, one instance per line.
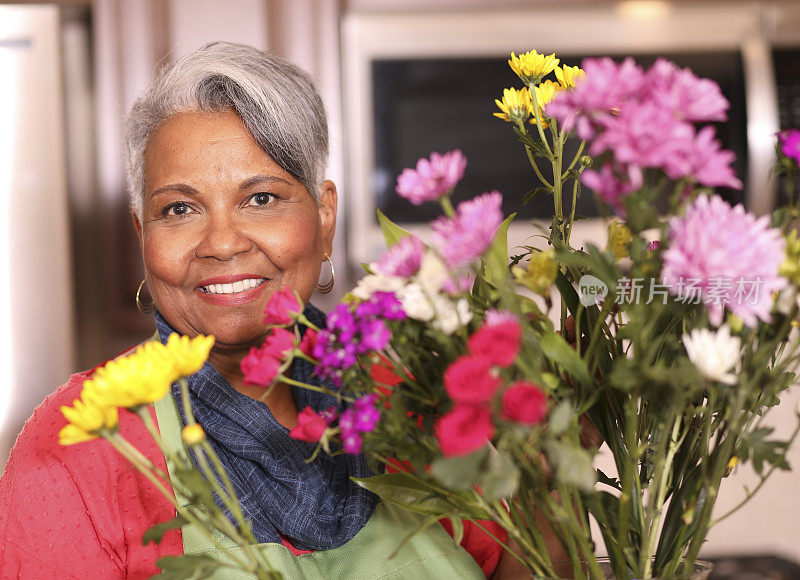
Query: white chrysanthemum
x=714, y=353
x=449, y=316
x=416, y=303
x=432, y=273
x=372, y=283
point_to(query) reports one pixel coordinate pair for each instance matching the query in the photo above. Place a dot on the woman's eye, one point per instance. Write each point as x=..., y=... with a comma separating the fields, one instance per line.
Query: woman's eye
x=176, y=209
x=261, y=199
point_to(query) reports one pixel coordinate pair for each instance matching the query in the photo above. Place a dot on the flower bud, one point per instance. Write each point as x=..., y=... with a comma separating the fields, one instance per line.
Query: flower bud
x=586, y=161
x=619, y=239
x=732, y=463
x=193, y=434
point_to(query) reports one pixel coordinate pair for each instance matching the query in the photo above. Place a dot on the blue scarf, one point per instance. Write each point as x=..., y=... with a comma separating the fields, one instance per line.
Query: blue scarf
x=315, y=505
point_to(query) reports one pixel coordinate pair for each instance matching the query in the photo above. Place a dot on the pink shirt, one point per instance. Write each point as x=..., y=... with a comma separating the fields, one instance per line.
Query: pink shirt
x=80, y=511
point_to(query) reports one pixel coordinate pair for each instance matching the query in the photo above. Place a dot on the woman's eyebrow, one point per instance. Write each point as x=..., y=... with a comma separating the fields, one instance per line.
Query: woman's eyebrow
x=261, y=178
x=180, y=187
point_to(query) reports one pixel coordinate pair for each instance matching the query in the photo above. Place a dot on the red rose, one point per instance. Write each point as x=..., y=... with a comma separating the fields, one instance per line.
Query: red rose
x=306, y=345
x=464, y=429
x=523, y=402
x=310, y=426
x=278, y=343
x=280, y=307
x=470, y=380
x=499, y=343
x=259, y=368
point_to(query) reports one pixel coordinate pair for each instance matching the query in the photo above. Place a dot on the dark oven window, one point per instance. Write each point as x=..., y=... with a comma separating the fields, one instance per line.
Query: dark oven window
x=424, y=105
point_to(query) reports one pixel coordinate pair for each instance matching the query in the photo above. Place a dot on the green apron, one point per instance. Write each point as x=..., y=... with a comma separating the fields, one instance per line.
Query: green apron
x=432, y=553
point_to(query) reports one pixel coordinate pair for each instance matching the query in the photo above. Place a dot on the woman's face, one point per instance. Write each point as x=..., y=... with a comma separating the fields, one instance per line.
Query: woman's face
x=224, y=227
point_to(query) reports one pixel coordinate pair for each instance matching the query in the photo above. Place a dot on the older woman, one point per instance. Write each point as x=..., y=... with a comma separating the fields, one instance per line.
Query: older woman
x=227, y=151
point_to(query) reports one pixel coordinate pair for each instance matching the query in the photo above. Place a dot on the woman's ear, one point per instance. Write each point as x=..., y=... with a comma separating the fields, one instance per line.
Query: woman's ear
x=137, y=225
x=327, y=204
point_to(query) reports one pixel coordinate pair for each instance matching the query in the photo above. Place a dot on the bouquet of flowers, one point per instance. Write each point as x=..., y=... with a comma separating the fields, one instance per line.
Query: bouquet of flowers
x=488, y=383
x=486, y=377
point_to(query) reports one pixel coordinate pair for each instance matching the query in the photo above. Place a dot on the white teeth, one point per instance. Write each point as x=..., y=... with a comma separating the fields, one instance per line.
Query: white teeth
x=235, y=287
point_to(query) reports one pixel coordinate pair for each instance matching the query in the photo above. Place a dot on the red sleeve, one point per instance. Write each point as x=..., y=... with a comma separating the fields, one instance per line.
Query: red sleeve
x=78, y=511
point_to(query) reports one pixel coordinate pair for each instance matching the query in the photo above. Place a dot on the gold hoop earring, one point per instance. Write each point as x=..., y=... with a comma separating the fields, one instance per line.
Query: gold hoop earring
x=328, y=286
x=143, y=308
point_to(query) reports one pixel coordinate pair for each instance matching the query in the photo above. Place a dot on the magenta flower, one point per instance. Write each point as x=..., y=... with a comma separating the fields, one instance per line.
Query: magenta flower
x=402, y=259
x=467, y=235
x=685, y=95
x=433, y=177
x=790, y=143
x=360, y=418
x=497, y=317
x=725, y=257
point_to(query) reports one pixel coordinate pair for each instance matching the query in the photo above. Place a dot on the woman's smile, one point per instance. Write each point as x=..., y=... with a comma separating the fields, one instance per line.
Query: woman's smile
x=232, y=290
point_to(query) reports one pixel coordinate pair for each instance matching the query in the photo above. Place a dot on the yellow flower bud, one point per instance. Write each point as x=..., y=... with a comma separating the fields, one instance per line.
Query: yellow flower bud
x=540, y=273
x=619, y=239
x=193, y=434
x=735, y=323
x=732, y=463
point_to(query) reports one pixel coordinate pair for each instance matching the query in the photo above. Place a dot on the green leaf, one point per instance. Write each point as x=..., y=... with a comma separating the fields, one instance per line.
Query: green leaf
x=458, y=529
x=461, y=472
x=156, y=532
x=190, y=566
x=562, y=354
x=408, y=491
x=501, y=477
x=533, y=193
x=392, y=233
x=756, y=447
x=572, y=465
x=497, y=255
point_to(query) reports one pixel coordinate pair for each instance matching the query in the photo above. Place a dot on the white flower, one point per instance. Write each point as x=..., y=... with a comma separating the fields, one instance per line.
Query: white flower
x=450, y=317
x=416, y=303
x=372, y=283
x=714, y=353
x=432, y=273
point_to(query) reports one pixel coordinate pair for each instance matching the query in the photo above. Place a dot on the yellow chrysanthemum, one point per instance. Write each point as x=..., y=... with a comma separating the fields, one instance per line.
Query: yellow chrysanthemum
x=568, y=76
x=193, y=434
x=188, y=354
x=531, y=67
x=619, y=239
x=138, y=379
x=540, y=273
x=86, y=418
x=516, y=105
x=544, y=94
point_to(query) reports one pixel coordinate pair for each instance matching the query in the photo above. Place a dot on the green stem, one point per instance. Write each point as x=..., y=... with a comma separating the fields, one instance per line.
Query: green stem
x=532, y=160
x=447, y=205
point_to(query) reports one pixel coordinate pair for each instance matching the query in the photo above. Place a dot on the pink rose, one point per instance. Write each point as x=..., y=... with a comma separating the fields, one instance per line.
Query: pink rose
x=465, y=429
x=310, y=426
x=498, y=343
x=259, y=368
x=281, y=306
x=278, y=343
x=308, y=342
x=470, y=380
x=524, y=402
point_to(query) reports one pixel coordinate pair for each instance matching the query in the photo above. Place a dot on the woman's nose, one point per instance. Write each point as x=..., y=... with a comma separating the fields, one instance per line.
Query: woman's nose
x=222, y=239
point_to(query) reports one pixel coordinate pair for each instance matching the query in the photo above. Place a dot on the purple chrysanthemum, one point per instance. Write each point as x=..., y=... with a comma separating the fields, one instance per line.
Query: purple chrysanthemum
x=467, y=235
x=432, y=178
x=611, y=188
x=402, y=259
x=726, y=257
x=790, y=143
x=685, y=95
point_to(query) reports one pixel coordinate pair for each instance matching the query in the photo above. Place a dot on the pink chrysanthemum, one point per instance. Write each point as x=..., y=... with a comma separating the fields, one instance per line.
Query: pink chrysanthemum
x=402, y=259
x=685, y=95
x=610, y=187
x=466, y=236
x=704, y=161
x=432, y=178
x=725, y=257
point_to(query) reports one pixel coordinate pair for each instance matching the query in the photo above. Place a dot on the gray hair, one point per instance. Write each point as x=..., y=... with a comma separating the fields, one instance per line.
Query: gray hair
x=276, y=99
